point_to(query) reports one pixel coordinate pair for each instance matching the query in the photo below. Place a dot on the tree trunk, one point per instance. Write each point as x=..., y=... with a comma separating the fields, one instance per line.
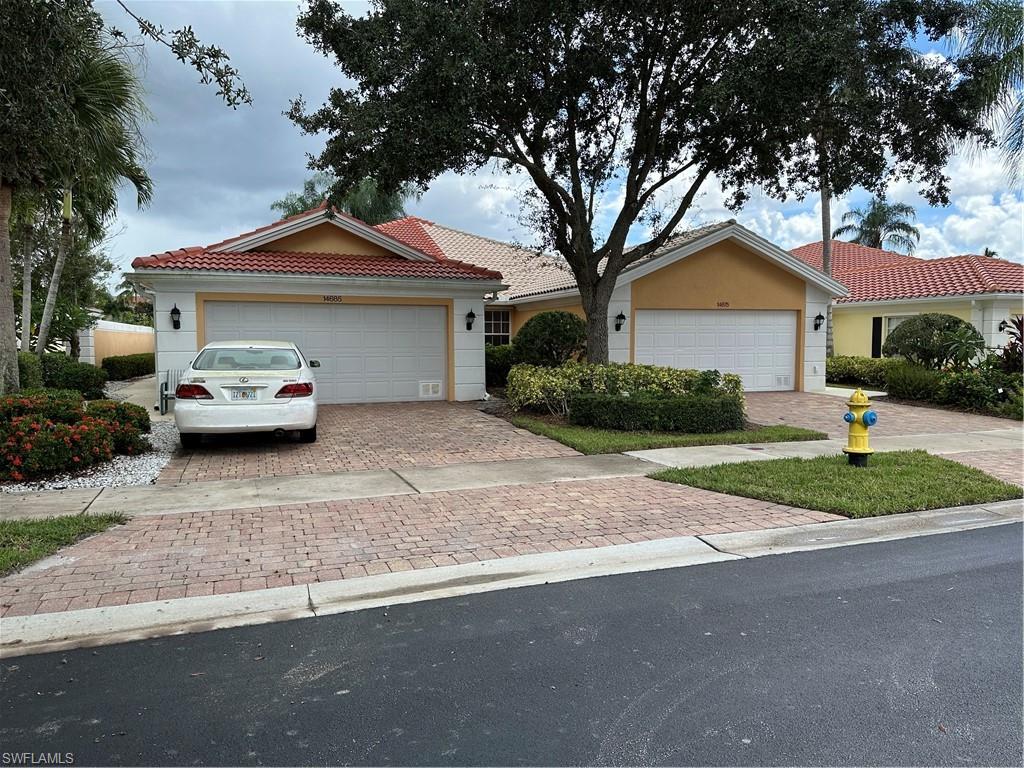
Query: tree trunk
x=9, y=380
x=26, y=292
x=595, y=307
x=51, y=294
x=826, y=257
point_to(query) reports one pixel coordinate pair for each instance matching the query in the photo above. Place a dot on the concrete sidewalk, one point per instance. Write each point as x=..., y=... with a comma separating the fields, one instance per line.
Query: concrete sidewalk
x=940, y=445
x=303, y=489
x=217, y=495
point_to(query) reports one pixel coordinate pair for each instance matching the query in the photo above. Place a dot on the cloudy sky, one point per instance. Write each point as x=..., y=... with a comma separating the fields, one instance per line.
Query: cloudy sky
x=216, y=170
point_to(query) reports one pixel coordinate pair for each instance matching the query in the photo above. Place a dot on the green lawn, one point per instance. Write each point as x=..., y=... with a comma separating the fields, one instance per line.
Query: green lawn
x=25, y=541
x=901, y=481
x=592, y=440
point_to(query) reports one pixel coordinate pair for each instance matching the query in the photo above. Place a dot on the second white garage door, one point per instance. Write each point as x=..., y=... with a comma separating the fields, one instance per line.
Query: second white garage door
x=367, y=353
x=759, y=345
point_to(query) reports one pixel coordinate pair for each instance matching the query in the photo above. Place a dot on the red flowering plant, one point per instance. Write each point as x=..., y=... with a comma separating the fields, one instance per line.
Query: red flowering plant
x=62, y=406
x=33, y=447
x=128, y=440
x=120, y=412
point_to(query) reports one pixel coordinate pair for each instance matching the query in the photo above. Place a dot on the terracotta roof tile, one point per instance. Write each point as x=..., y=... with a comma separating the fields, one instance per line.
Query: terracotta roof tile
x=285, y=262
x=873, y=274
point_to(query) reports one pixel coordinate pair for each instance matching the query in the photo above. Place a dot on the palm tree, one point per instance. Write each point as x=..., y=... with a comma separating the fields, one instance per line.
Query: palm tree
x=881, y=224
x=990, y=253
x=108, y=107
x=365, y=201
x=996, y=30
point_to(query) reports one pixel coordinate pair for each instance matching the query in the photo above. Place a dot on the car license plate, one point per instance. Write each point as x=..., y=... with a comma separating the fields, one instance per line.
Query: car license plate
x=247, y=393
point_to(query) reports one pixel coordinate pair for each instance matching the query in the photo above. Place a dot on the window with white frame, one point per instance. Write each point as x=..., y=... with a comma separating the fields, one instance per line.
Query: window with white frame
x=893, y=321
x=497, y=326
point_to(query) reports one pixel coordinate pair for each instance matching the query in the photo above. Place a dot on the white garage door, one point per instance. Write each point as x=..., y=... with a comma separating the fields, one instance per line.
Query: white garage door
x=367, y=353
x=759, y=345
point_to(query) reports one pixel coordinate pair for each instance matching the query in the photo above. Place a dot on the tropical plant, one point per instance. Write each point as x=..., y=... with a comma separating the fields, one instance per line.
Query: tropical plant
x=989, y=253
x=1013, y=351
x=996, y=31
x=107, y=108
x=881, y=224
x=932, y=340
x=877, y=109
x=365, y=200
x=964, y=345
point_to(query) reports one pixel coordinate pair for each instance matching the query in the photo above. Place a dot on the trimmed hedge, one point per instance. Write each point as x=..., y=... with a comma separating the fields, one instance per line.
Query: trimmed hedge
x=913, y=382
x=30, y=370
x=862, y=371
x=120, y=367
x=933, y=340
x=53, y=364
x=538, y=387
x=60, y=371
x=119, y=411
x=497, y=363
x=651, y=412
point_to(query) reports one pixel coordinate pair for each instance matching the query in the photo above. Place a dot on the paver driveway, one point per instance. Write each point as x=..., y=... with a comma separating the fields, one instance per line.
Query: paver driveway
x=358, y=437
x=825, y=413
x=156, y=558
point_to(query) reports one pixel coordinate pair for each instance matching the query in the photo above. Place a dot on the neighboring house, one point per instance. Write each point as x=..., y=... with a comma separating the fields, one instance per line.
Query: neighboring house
x=402, y=310
x=886, y=288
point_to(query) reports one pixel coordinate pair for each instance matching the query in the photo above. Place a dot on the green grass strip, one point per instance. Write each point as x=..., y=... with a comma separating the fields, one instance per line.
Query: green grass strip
x=25, y=541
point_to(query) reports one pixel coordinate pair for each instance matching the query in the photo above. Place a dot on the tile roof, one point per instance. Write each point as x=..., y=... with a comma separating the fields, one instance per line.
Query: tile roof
x=873, y=274
x=527, y=273
x=408, y=232
x=287, y=262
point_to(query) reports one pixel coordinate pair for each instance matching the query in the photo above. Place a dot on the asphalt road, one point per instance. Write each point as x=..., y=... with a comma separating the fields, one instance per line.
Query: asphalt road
x=907, y=652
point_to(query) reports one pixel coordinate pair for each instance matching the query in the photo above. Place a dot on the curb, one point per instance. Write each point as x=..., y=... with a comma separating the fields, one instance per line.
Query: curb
x=21, y=635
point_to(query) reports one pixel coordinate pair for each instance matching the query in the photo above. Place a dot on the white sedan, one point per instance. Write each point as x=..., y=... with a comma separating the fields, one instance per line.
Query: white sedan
x=246, y=386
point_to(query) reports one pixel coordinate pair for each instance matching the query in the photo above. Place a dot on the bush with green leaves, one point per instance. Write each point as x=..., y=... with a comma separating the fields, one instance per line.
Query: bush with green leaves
x=861, y=371
x=542, y=388
x=497, y=363
x=658, y=412
x=121, y=367
x=1012, y=357
x=550, y=339
x=120, y=412
x=86, y=378
x=54, y=364
x=913, y=382
x=30, y=370
x=33, y=447
x=61, y=406
x=934, y=340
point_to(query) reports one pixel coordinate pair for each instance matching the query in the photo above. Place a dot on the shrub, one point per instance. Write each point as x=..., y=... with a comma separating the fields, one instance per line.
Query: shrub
x=30, y=370
x=120, y=412
x=33, y=447
x=540, y=387
x=61, y=406
x=550, y=339
x=932, y=340
x=126, y=437
x=1012, y=358
x=862, y=371
x=913, y=382
x=122, y=367
x=53, y=364
x=87, y=379
x=1012, y=407
x=970, y=389
x=648, y=411
x=497, y=362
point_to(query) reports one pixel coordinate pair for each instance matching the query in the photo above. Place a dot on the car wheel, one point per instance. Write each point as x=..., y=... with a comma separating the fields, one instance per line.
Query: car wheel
x=308, y=435
x=190, y=440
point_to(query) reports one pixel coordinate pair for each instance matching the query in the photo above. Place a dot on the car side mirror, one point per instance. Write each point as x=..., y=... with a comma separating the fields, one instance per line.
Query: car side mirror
x=314, y=363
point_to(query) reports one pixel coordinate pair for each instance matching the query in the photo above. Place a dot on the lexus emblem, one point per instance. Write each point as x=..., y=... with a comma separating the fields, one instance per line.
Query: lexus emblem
x=244, y=379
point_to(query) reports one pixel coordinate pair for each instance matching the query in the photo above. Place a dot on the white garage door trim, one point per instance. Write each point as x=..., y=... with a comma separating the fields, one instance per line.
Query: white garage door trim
x=368, y=352
x=758, y=345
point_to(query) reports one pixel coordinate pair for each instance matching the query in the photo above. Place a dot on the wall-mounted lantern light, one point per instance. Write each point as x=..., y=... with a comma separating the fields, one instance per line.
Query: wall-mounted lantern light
x=619, y=320
x=1003, y=326
x=819, y=320
x=470, y=317
x=176, y=317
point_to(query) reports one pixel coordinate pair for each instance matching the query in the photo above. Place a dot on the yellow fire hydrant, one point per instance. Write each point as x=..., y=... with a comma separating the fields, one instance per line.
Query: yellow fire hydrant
x=860, y=419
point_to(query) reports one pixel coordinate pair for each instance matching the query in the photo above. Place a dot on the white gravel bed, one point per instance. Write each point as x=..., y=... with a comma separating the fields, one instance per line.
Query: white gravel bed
x=122, y=470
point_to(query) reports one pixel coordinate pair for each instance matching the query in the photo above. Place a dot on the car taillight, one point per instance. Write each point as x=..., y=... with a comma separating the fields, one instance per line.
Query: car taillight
x=302, y=389
x=192, y=392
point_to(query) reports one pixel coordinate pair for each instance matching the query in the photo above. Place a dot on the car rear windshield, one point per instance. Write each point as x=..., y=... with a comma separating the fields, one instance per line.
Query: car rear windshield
x=223, y=359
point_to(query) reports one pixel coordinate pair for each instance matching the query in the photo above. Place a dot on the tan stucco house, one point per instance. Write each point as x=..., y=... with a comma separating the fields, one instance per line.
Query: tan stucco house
x=402, y=311
x=885, y=288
